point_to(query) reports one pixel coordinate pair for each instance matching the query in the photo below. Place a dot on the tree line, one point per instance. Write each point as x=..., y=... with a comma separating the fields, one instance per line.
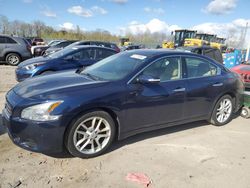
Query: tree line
x=39, y=29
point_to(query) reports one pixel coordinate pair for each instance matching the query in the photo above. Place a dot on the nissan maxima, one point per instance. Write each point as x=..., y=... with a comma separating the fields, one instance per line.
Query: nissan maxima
x=84, y=111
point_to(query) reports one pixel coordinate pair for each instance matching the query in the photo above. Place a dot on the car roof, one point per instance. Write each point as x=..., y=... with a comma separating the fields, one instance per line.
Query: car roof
x=190, y=48
x=91, y=46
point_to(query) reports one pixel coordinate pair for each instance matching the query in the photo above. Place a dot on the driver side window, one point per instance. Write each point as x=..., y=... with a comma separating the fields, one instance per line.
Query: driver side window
x=166, y=69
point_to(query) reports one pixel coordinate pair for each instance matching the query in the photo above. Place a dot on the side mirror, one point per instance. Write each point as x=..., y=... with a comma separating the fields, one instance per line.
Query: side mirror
x=147, y=79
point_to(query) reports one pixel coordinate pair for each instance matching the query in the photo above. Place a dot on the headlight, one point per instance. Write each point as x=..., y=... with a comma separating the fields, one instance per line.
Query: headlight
x=33, y=66
x=41, y=112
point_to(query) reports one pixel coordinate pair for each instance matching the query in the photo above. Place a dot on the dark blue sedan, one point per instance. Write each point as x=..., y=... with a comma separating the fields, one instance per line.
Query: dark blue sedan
x=68, y=58
x=122, y=95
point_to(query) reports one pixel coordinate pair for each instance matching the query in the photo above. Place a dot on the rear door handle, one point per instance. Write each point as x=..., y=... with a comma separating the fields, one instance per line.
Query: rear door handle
x=218, y=84
x=179, y=89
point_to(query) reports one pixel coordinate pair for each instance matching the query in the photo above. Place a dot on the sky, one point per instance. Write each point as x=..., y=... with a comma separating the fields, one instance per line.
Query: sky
x=119, y=16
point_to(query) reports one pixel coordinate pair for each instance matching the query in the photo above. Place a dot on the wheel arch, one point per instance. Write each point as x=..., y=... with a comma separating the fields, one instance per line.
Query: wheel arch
x=9, y=52
x=230, y=93
x=105, y=109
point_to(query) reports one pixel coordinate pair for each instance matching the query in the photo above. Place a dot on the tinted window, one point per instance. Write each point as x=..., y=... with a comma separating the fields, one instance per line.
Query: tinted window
x=2, y=40
x=209, y=53
x=200, y=68
x=103, y=53
x=166, y=69
x=218, y=56
x=63, y=44
x=10, y=40
x=81, y=55
x=84, y=43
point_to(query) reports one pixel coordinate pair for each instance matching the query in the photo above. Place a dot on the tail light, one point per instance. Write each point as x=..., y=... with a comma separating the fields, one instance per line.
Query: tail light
x=117, y=49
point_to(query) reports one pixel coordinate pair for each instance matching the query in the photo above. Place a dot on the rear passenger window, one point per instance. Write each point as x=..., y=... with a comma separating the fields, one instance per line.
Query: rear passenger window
x=10, y=41
x=101, y=54
x=200, y=68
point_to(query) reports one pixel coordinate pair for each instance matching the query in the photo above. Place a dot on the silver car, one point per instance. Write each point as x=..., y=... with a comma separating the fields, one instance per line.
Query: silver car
x=13, y=50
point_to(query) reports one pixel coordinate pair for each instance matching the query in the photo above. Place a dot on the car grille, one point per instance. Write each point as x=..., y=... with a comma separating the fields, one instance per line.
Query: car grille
x=245, y=77
x=8, y=108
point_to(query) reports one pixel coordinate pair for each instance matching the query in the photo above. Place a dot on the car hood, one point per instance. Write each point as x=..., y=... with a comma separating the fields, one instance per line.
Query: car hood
x=33, y=60
x=54, y=83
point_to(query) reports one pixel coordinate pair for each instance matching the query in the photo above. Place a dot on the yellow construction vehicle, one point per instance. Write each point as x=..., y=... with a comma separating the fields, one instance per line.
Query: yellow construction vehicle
x=219, y=43
x=179, y=38
x=125, y=42
x=200, y=39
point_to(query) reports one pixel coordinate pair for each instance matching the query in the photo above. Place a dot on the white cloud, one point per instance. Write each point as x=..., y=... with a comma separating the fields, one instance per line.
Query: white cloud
x=154, y=10
x=49, y=13
x=153, y=26
x=80, y=11
x=232, y=30
x=119, y=1
x=67, y=26
x=219, y=7
x=99, y=10
x=241, y=22
x=85, y=12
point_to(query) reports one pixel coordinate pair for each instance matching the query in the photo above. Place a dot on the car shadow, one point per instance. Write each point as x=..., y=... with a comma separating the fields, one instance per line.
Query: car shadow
x=139, y=137
x=2, y=128
x=146, y=135
x=156, y=133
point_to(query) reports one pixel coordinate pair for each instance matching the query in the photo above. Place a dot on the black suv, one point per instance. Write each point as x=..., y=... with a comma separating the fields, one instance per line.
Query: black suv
x=13, y=50
x=211, y=52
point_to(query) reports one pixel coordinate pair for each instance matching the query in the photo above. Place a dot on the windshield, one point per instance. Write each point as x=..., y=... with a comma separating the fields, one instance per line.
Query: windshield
x=115, y=67
x=62, y=53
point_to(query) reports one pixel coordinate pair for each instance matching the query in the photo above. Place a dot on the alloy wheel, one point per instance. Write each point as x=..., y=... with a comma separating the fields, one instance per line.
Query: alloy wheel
x=14, y=60
x=92, y=135
x=224, y=110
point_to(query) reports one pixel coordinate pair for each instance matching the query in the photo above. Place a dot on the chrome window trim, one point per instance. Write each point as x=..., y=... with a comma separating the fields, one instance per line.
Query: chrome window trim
x=181, y=56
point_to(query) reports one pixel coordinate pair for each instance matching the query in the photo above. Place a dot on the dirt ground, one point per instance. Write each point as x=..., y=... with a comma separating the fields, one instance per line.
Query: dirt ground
x=191, y=155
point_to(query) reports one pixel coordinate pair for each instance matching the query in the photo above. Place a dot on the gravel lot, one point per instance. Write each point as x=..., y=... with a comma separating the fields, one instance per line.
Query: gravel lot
x=191, y=155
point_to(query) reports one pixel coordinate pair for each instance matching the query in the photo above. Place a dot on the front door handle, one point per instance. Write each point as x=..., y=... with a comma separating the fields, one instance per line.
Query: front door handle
x=218, y=84
x=180, y=89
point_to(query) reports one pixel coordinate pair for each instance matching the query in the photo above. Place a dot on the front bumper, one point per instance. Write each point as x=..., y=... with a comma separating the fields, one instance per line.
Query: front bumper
x=43, y=137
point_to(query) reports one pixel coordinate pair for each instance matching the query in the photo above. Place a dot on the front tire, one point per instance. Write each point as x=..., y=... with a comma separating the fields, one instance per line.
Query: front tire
x=13, y=59
x=90, y=135
x=223, y=111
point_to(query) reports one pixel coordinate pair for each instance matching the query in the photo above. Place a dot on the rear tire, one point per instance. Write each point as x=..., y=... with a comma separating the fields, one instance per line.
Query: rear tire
x=90, y=135
x=13, y=59
x=223, y=111
x=245, y=112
